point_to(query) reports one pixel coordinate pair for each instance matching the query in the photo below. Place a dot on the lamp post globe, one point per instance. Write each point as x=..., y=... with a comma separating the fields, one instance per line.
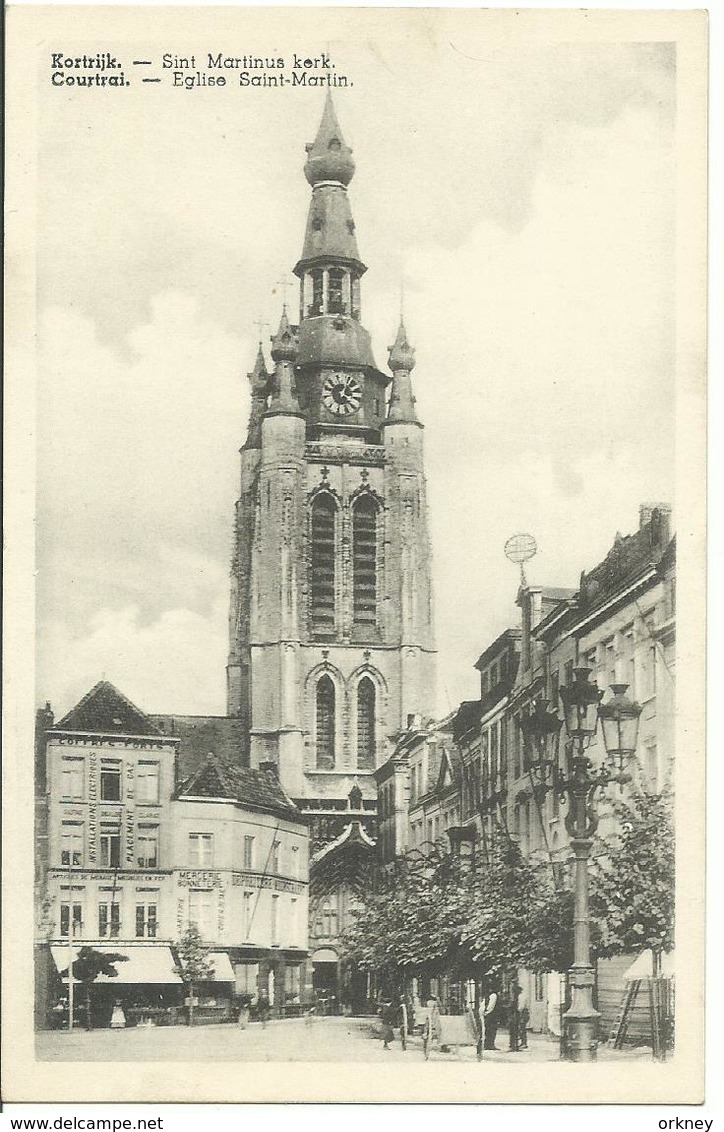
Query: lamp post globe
x=580, y=706
x=620, y=725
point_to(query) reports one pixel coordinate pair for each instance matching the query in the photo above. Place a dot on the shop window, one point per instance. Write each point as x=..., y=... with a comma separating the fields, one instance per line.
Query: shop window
x=110, y=847
x=147, y=782
x=109, y=919
x=247, y=977
x=72, y=778
x=324, y=516
x=201, y=850
x=147, y=844
x=366, y=724
x=146, y=920
x=71, y=844
x=364, y=567
x=325, y=709
x=248, y=852
x=110, y=781
x=65, y=919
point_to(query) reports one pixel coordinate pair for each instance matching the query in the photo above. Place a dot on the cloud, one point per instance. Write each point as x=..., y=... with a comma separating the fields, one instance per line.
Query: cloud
x=533, y=225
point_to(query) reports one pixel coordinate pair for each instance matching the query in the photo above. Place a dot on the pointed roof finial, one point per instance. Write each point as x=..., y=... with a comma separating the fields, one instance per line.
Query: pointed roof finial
x=329, y=158
x=258, y=375
x=402, y=355
x=284, y=343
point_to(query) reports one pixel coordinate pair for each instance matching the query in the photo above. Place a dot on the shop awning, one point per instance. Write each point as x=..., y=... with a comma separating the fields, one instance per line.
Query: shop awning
x=642, y=967
x=223, y=971
x=144, y=964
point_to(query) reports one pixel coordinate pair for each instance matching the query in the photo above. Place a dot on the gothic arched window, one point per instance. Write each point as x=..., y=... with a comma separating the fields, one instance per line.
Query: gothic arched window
x=325, y=723
x=324, y=515
x=364, y=567
x=366, y=724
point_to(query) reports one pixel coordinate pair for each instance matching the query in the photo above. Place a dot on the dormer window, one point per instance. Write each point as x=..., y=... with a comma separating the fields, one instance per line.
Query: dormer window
x=335, y=144
x=317, y=223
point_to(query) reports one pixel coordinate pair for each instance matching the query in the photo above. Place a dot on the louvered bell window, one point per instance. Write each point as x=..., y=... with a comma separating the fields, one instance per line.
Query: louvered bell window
x=366, y=724
x=325, y=723
x=324, y=515
x=364, y=542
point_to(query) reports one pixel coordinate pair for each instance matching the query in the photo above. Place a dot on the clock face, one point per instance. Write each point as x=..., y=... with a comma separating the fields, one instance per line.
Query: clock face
x=341, y=394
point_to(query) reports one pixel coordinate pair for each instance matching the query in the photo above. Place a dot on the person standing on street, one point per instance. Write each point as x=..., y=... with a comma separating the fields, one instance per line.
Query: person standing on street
x=490, y=1020
x=388, y=1018
x=523, y=1018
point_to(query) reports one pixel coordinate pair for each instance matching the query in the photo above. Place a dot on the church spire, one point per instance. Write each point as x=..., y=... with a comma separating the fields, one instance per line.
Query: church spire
x=284, y=351
x=330, y=266
x=259, y=382
x=328, y=156
x=402, y=362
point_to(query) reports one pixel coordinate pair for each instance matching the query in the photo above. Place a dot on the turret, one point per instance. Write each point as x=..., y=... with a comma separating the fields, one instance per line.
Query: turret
x=259, y=382
x=283, y=400
x=401, y=409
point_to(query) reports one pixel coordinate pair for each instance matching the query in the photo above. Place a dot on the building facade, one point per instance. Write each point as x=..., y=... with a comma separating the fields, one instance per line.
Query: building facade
x=135, y=850
x=620, y=623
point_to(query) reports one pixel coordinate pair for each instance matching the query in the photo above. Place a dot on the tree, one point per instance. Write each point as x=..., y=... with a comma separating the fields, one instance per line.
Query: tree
x=633, y=886
x=193, y=964
x=88, y=966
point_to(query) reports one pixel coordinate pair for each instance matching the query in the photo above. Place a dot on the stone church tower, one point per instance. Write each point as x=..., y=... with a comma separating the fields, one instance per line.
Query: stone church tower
x=331, y=619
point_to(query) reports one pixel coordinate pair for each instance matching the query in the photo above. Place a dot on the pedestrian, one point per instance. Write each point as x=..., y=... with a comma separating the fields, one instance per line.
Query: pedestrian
x=388, y=1014
x=523, y=1019
x=490, y=1017
x=118, y=1018
x=263, y=1010
x=513, y=1017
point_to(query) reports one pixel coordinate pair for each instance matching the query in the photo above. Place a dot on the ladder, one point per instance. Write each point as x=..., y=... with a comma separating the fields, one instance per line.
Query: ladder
x=624, y=1015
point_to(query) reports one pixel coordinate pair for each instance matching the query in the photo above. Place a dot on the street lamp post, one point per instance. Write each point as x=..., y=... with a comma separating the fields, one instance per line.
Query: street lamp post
x=578, y=784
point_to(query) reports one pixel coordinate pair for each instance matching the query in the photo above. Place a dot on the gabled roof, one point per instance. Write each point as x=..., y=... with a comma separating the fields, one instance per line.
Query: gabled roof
x=256, y=789
x=225, y=735
x=507, y=638
x=105, y=710
x=449, y=771
x=352, y=834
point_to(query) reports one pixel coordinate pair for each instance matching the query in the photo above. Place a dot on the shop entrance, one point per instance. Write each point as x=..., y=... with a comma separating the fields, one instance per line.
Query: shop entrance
x=325, y=981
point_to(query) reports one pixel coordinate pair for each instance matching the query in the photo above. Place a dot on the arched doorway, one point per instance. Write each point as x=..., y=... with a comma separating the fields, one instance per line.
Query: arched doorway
x=325, y=980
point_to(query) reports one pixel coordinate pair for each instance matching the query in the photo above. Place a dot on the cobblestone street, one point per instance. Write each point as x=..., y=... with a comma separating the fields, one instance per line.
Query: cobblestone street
x=324, y=1040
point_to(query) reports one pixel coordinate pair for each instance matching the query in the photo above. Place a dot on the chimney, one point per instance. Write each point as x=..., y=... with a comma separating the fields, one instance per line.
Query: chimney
x=657, y=516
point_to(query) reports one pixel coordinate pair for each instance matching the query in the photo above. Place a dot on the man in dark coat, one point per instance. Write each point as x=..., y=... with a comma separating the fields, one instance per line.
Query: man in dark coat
x=389, y=1017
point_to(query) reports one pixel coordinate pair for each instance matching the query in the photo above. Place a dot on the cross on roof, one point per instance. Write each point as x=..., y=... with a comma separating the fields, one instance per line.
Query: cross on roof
x=283, y=283
x=260, y=323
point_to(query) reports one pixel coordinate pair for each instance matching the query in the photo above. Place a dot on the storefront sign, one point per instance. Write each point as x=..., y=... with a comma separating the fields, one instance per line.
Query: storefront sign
x=199, y=878
x=92, y=806
x=130, y=815
x=88, y=874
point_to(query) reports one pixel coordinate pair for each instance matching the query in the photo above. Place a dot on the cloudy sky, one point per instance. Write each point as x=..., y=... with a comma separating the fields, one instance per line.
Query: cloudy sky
x=524, y=193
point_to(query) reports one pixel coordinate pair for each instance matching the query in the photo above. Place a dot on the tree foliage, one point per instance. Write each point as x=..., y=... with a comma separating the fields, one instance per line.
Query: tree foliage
x=193, y=963
x=435, y=911
x=632, y=883
x=88, y=965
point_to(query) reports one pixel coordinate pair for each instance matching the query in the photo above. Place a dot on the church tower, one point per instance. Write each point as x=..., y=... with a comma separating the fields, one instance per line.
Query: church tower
x=331, y=619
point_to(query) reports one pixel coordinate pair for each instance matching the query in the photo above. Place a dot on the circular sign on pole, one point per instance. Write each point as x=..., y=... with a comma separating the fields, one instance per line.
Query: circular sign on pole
x=520, y=548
